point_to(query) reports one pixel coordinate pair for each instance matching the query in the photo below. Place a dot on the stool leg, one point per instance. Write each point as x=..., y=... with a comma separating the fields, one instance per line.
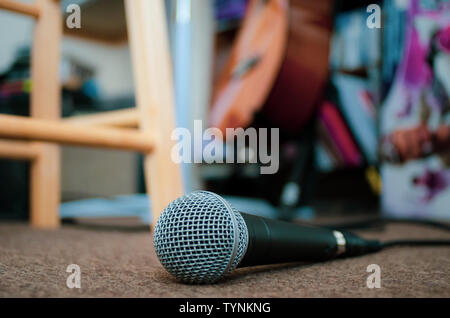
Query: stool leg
x=148, y=39
x=45, y=186
x=46, y=104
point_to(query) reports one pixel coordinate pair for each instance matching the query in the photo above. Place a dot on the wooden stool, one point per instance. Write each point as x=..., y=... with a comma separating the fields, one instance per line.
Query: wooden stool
x=36, y=138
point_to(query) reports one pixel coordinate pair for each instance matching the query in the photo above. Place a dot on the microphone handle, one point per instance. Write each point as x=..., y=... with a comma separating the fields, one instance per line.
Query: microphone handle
x=273, y=241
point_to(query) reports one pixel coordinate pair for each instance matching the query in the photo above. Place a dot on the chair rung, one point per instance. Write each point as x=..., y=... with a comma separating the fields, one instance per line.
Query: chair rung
x=117, y=118
x=18, y=127
x=20, y=7
x=18, y=150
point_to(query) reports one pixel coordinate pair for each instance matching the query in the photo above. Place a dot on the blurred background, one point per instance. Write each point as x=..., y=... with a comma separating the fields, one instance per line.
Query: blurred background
x=361, y=98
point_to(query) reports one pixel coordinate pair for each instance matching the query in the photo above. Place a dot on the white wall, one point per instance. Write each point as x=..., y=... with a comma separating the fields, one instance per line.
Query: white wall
x=112, y=63
x=15, y=32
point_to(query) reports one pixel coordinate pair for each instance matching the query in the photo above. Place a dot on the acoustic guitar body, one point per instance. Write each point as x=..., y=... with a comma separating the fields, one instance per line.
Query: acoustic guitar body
x=278, y=65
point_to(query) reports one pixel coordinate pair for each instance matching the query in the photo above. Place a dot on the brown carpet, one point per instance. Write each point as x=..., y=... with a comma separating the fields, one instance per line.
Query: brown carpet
x=121, y=263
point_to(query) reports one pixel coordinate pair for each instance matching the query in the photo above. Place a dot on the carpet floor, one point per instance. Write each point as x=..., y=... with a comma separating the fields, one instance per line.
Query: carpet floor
x=119, y=261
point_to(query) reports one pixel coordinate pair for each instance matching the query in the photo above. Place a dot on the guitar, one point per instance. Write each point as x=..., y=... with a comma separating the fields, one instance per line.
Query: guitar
x=278, y=65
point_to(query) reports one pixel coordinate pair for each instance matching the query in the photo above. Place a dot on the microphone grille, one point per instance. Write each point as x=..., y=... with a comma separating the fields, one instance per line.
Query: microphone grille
x=199, y=237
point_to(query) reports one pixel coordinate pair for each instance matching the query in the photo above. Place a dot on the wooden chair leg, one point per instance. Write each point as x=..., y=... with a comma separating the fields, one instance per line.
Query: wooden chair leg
x=148, y=39
x=46, y=104
x=45, y=186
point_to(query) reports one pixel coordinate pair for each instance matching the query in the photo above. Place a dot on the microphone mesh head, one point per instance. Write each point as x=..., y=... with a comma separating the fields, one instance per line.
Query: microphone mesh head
x=199, y=237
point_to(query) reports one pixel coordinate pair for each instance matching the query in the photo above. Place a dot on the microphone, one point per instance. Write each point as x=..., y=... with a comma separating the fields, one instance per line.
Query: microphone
x=200, y=237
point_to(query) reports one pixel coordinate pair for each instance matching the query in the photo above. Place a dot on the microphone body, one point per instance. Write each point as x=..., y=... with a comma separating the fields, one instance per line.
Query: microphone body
x=272, y=241
x=200, y=237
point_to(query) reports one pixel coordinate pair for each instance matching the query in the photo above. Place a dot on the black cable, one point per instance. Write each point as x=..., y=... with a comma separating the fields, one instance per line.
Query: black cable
x=368, y=246
x=436, y=224
x=355, y=245
x=433, y=242
x=366, y=224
